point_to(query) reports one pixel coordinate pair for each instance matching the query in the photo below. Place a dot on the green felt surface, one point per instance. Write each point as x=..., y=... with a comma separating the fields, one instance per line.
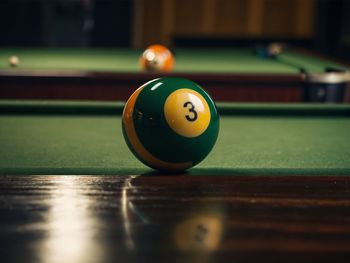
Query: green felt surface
x=187, y=60
x=91, y=142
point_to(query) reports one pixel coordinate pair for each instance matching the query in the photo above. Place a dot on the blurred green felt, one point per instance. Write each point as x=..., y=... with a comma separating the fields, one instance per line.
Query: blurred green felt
x=91, y=142
x=239, y=60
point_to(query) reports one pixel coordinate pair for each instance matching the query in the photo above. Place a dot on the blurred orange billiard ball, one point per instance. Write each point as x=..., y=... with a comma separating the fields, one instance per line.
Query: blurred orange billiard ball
x=157, y=58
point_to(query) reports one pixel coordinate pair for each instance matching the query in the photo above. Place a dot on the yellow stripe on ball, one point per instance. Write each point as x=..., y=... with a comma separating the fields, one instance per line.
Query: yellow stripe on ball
x=187, y=112
x=136, y=144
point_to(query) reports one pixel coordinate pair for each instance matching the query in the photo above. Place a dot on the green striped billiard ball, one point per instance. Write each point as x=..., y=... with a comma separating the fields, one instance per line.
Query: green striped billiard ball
x=170, y=124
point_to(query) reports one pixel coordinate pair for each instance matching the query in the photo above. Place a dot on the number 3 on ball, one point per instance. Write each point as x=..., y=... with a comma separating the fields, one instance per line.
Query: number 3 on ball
x=195, y=115
x=192, y=105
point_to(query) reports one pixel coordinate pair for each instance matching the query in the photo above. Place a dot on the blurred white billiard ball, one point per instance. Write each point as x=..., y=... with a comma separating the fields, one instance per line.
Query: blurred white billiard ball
x=13, y=61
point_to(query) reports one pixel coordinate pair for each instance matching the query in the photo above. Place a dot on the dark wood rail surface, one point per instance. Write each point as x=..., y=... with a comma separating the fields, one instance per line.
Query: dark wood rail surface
x=177, y=218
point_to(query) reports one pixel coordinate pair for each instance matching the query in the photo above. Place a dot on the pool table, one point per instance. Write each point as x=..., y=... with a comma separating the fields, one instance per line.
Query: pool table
x=276, y=186
x=235, y=74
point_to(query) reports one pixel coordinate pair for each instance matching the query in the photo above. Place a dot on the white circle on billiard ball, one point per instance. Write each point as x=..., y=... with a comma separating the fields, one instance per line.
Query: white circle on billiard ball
x=154, y=61
x=14, y=61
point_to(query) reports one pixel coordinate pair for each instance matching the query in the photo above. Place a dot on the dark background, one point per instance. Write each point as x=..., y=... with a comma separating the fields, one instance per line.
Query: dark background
x=110, y=23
